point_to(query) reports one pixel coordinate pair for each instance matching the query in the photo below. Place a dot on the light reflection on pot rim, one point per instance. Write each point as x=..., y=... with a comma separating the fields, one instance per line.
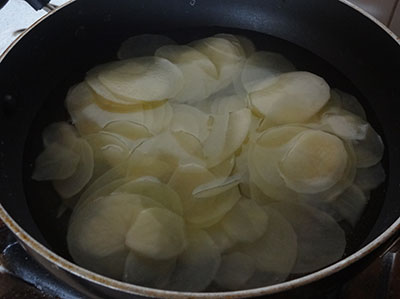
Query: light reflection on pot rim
x=103, y=281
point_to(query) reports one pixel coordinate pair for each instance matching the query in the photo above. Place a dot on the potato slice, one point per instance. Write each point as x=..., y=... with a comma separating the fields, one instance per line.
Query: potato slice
x=238, y=129
x=223, y=169
x=143, y=45
x=56, y=162
x=147, y=272
x=246, y=45
x=128, y=129
x=191, y=120
x=189, y=143
x=345, y=125
x=369, y=151
x=78, y=97
x=370, y=178
x=245, y=222
x=214, y=145
x=157, y=191
x=220, y=237
x=96, y=232
x=263, y=65
x=146, y=79
x=157, y=234
x=314, y=163
x=227, y=104
x=197, y=265
x=235, y=270
x=157, y=116
x=71, y=186
x=61, y=133
x=348, y=102
x=274, y=253
x=320, y=240
x=292, y=97
x=216, y=186
x=199, y=72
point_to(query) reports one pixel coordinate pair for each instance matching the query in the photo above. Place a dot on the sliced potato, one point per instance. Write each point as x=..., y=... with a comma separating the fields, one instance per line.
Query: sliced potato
x=227, y=104
x=290, y=98
x=370, y=178
x=146, y=79
x=320, y=240
x=220, y=237
x=197, y=265
x=245, y=222
x=56, y=162
x=157, y=233
x=128, y=129
x=223, y=169
x=345, y=125
x=72, y=185
x=61, y=133
x=369, y=151
x=143, y=45
x=147, y=272
x=348, y=102
x=235, y=270
x=214, y=145
x=245, y=43
x=216, y=186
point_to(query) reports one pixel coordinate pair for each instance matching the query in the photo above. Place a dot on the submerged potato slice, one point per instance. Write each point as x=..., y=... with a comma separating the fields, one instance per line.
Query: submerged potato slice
x=128, y=129
x=227, y=104
x=320, y=240
x=216, y=186
x=347, y=102
x=72, y=185
x=144, y=79
x=197, y=265
x=56, y=162
x=220, y=237
x=315, y=162
x=61, y=133
x=292, y=97
x=143, y=45
x=345, y=125
x=370, y=178
x=369, y=151
x=157, y=233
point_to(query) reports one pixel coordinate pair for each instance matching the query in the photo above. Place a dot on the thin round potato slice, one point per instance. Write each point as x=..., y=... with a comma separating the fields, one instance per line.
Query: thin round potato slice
x=274, y=253
x=214, y=145
x=224, y=169
x=199, y=72
x=345, y=125
x=147, y=272
x=96, y=232
x=146, y=79
x=320, y=240
x=245, y=222
x=189, y=143
x=227, y=104
x=142, y=45
x=263, y=65
x=78, y=97
x=61, y=133
x=157, y=116
x=348, y=102
x=314, y=163
x=290, y=98
x=197, y=265
x=56, y=162
x=370, y=178
x=159, y=192
x=157, y=234
x=128, y=129
x=235, y=270
x=369, y=151
x=216, y=186
x=220, y=237
x=191, y=120
x=74, y=184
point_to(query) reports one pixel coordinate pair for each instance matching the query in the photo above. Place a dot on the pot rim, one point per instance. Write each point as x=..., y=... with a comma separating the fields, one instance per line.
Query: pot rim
x=103, y=281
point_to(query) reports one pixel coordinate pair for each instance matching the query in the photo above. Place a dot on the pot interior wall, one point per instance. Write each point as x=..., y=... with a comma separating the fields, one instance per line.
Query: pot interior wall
x=329, y=39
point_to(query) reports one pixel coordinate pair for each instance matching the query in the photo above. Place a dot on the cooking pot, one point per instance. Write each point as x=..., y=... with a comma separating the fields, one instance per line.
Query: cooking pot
x=331, y=38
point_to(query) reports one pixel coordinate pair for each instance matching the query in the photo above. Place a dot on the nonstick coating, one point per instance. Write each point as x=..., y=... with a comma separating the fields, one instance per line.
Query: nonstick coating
x=325, y=37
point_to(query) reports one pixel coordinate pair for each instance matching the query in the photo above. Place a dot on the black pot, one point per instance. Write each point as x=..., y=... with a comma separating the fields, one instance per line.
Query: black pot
x=330, y=38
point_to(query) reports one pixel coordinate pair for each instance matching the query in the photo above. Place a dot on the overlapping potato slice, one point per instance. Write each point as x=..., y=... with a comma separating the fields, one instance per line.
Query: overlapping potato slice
x=290, y=98
x=128, y=129
x=347, y=102
x=146, y=79
x=220, y=237
x=227, y=104
x=143, y=45
x=368, y=179
x=261, y=66
x=197, y=265
x=200, y=74
x=320, y=240
x=368, y=151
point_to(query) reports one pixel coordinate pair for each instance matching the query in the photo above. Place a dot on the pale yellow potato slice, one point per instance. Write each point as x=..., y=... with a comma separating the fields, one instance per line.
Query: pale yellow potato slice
x=234, y=41
x=227, y=104
x=263, y=65
x=224, y=169
x=370, y=178
x=56, y=162
x=226, y=56
x=197, y=265
x=292, y=97
x=146, y=79
x=72, y=185
x=189, y=143
x=128, y=129
x=109, y=150
x=157, y=234
x=78, y=97
x=320, y=240
x=157, y=116
x=159, y=192
x=245, y=222
x=234, y=271
x=368, y=151
x=200, y=74
x=147, y=272
x=220, y=237
x=345, y=125
x=142, y=45
x=245, y=43
x=61, y=133
x=191, y=120
x=238, y=129
x=314, y=163
x=347, y=102
x=216, y=186
x=274, y=253
x=97, y=231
